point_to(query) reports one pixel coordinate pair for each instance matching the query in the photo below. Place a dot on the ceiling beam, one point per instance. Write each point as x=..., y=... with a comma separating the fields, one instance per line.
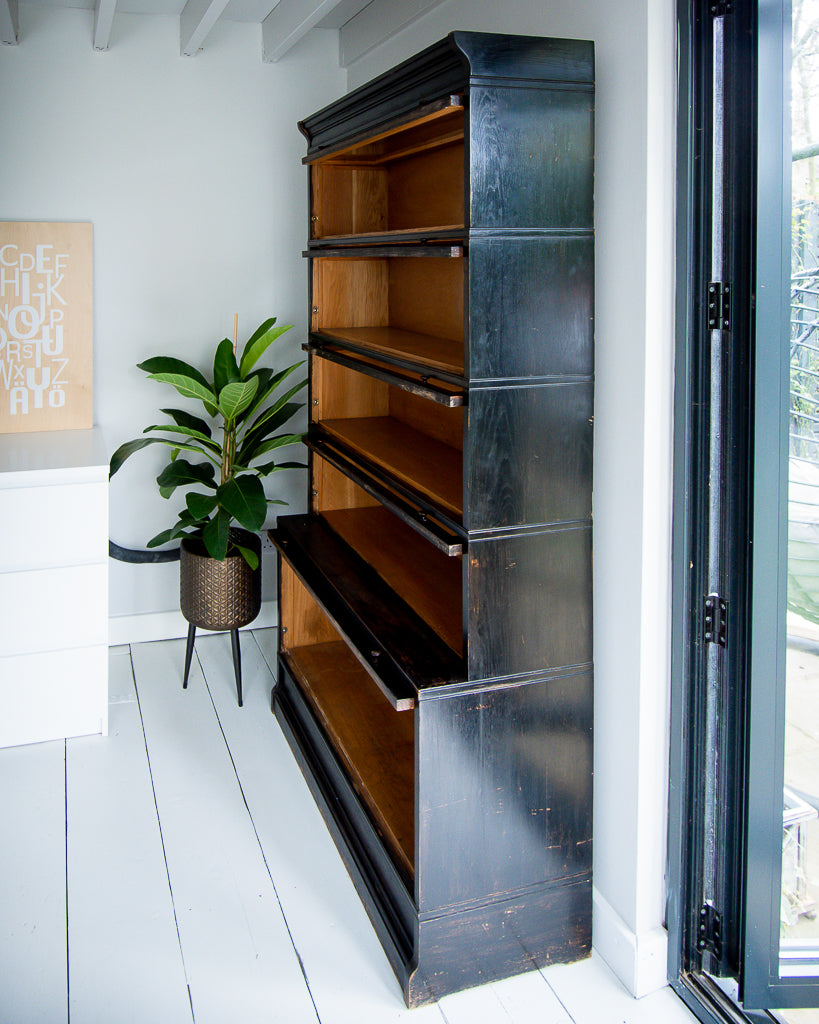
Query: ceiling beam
x=377, y=23
x=9, y=22
x=342, y=13
x=288, y=22
x=103, y=20
x=196, y=21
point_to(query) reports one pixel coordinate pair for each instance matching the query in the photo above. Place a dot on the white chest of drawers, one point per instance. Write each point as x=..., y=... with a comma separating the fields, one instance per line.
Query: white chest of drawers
x=53, y=586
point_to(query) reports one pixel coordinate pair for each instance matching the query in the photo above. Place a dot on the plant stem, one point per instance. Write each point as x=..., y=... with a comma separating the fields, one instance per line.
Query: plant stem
x=229, y=453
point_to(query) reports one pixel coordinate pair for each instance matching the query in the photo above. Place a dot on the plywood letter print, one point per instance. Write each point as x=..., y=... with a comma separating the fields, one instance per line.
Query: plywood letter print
x=46, y=323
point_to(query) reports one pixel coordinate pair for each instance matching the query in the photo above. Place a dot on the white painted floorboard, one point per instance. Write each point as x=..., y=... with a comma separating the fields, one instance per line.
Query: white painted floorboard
x=197, y=860
x=32, y=884
x=239, y=958
x=124, y=953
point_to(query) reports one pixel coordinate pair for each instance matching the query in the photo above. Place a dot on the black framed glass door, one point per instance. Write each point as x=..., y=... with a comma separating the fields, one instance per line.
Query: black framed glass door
x=781, y=967
x=744, y=823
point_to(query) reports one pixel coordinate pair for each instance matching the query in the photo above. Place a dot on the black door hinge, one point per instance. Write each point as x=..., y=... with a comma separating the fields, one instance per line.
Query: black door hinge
x=719, y=306
x=719, y=8
x=709, y=931
x=715, y=620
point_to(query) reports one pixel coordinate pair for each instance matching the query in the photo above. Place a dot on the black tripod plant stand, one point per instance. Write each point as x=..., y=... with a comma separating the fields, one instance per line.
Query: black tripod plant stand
x=219, y=595
x=237, y=658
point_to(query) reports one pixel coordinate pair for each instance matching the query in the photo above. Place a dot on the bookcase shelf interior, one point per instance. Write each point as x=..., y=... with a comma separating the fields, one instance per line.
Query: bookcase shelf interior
x=415, y=440
x=410, y=306
x=408, y=180
x=375, y=742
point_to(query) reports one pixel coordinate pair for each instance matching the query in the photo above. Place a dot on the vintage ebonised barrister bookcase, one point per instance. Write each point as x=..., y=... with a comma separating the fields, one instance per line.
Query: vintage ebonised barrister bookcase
x=435, y=670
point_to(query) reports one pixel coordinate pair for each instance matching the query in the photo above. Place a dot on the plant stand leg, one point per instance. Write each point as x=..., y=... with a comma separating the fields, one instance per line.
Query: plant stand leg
x=237, y=662
x=188, y=653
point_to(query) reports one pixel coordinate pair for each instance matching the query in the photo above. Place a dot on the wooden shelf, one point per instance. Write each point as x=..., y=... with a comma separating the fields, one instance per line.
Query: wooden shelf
x=423, y=350
x=431, y=467
x=424, y=577
x=437, y=126
x=408, y=236
x=375, y=743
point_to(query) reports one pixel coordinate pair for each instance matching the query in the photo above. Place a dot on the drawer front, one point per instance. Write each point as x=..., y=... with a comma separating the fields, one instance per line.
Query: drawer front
x=53, y=609
x=53, y=695
x=53, y=526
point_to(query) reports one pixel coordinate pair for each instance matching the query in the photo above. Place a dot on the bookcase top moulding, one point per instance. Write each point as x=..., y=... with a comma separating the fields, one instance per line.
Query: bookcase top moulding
x=430, y=84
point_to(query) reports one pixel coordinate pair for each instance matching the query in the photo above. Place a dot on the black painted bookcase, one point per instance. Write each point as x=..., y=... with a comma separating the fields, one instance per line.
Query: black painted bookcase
x=435, y=667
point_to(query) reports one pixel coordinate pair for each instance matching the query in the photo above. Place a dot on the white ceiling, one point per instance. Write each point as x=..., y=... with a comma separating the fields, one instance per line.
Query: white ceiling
x=362, y=24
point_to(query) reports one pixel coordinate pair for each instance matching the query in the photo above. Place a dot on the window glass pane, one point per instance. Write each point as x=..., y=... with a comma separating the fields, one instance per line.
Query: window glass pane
x=800, y=822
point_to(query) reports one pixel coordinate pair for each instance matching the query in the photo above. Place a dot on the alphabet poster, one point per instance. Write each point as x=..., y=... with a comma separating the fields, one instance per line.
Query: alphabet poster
x=46, y=323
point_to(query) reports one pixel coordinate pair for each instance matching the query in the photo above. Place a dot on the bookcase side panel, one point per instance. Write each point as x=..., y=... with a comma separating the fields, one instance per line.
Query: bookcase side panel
x=529, y=602
x=531, y=307
x=504, y=792
x=531, y=158
x=529, y=456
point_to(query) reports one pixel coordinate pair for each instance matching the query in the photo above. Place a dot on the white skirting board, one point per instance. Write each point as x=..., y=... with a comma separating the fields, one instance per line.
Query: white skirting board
x=638, y=959
x=135, y=629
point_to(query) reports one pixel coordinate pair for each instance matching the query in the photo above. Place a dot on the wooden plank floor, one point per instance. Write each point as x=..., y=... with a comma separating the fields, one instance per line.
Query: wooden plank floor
x=178, y=871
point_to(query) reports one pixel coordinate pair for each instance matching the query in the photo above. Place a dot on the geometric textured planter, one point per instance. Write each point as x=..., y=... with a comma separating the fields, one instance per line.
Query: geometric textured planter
x=219, y=595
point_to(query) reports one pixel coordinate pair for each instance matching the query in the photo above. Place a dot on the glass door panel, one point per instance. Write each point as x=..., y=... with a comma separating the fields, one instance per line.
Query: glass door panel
x=799, y=922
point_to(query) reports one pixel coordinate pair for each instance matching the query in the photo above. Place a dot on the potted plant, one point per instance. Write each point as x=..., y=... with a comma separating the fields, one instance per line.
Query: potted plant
x=220, y=462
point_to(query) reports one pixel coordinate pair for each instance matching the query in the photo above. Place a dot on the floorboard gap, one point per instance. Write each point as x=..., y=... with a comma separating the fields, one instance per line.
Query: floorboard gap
x=67, y=935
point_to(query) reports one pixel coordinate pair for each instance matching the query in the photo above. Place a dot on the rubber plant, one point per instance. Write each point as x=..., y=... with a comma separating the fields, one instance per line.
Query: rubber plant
x=218, y=461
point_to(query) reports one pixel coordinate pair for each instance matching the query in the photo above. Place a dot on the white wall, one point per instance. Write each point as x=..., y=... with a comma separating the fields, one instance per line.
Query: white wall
x=634, y=195
x=190, y=170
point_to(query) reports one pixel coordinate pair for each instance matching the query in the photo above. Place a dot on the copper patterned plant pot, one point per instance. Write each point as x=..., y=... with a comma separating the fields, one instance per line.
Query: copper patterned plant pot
x=220, y=595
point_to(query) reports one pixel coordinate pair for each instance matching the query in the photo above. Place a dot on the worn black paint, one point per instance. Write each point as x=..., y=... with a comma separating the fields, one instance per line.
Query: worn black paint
x=503, y=754
x=531, y=306
x=529, y=606
x=528, y=458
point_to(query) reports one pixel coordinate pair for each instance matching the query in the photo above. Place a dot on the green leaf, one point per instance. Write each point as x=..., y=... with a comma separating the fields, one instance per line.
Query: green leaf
x=258, y=343
x=243, y=497
x=168, y=365
x=185, y=419
x=249, y=556
x=197, y=435
x=216, y=534
x=126, y=450
x=225, y=367
x=278, y=404
x=277, y=442
x=235, y=398
x=199, y=505
x=267, y=426
x=274, y=467
x=160, y=538
x=269, y=380
x=177, y=474
x=188, y=387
